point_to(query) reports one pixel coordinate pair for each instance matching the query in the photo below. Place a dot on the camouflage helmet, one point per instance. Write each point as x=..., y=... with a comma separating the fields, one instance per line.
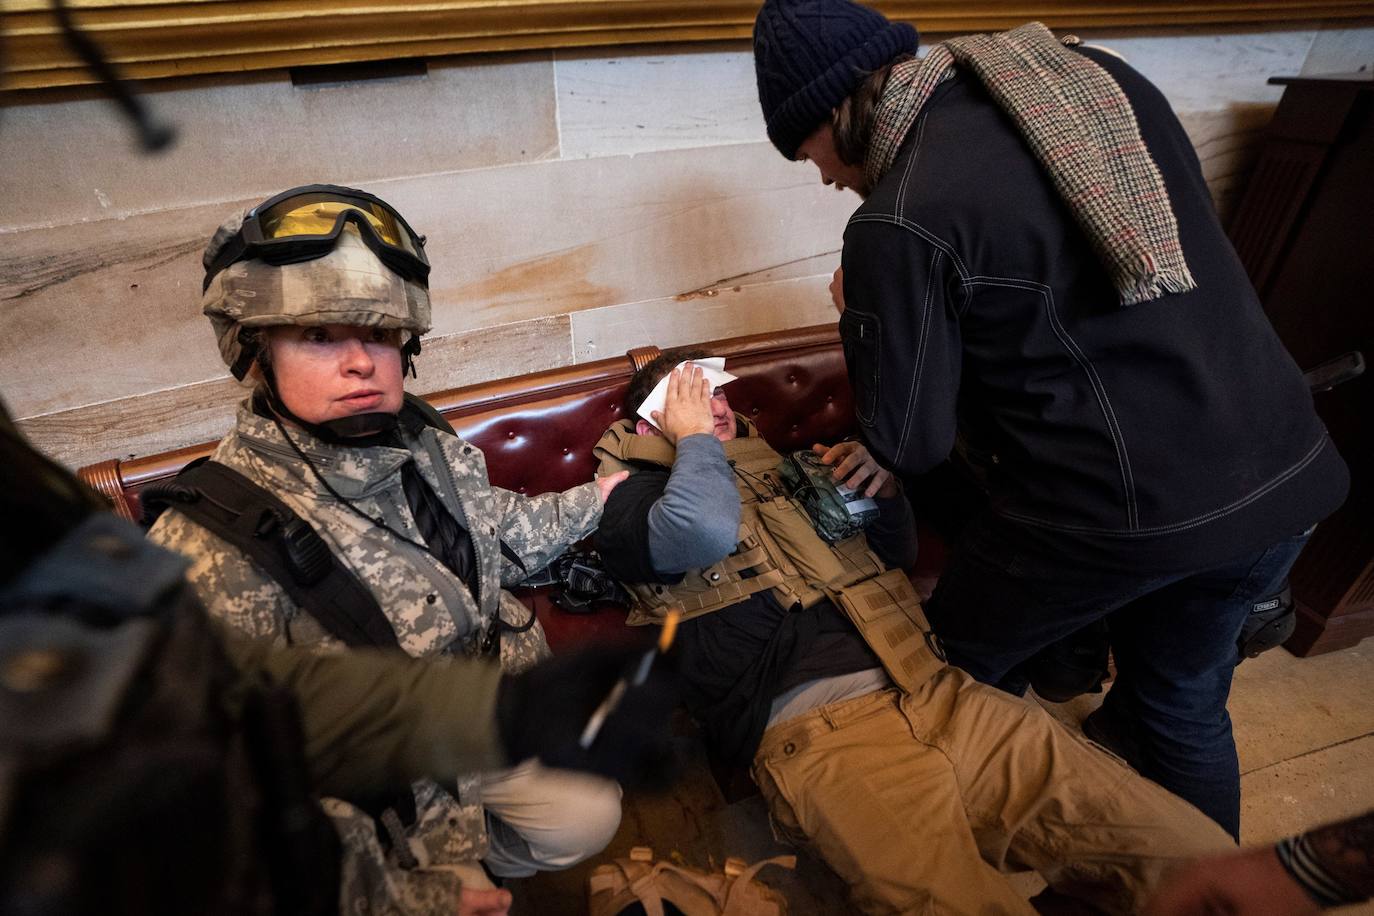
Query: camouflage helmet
x=349, y=285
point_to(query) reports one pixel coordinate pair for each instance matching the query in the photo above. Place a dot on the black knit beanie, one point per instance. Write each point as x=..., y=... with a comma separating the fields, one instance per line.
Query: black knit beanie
x=811, y=54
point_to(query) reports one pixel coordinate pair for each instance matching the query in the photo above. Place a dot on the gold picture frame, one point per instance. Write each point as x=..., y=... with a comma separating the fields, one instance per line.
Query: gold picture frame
x=153, y=40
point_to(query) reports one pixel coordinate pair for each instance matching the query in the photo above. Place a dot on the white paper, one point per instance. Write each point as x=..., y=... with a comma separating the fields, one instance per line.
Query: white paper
x=712, y=367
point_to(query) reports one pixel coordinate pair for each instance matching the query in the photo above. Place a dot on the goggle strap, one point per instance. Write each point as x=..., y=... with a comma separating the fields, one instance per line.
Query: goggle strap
x=244, y=362
x=232, y=252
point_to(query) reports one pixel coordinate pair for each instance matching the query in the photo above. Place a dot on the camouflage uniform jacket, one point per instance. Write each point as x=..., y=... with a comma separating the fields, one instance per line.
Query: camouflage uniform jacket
x=431, y=611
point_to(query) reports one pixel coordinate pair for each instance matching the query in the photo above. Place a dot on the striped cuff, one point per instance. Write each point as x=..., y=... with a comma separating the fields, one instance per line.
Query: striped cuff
x=1299, y=860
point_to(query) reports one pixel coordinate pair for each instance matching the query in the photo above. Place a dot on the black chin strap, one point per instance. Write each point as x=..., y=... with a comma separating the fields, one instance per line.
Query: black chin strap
x=359, y=430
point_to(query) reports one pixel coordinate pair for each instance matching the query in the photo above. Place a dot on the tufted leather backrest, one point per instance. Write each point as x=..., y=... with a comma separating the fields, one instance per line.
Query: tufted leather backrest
x=797, y=396
x=546, y=445
x=537, y=430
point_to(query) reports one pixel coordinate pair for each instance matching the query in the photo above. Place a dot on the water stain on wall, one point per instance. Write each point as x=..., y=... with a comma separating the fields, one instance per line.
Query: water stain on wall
x=551, y=284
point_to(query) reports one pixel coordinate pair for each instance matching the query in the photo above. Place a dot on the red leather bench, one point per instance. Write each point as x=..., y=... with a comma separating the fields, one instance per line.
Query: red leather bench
x=537, y=431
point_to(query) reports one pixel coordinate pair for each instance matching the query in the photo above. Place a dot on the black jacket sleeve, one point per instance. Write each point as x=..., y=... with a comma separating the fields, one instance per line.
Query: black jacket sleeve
x=902, y=347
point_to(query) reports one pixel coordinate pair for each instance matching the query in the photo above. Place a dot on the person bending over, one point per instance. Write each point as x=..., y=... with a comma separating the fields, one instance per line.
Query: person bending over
x=1037, y=272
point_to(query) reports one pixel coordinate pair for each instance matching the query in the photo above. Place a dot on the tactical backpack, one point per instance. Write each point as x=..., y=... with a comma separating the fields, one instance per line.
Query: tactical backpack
x=140, y=773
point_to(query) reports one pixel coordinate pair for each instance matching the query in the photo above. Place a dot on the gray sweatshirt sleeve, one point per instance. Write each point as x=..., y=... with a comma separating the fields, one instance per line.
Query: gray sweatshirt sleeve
x=696, y=521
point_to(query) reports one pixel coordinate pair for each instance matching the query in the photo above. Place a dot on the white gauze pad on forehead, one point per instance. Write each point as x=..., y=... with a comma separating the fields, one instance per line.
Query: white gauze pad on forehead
x=712, y=367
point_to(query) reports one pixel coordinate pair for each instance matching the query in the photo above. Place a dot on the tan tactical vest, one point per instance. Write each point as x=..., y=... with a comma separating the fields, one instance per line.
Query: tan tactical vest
x=780, y=551
x=733, y=891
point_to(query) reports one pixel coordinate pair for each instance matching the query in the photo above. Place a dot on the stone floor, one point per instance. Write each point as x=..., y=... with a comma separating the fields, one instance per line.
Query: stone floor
x=1304, y=729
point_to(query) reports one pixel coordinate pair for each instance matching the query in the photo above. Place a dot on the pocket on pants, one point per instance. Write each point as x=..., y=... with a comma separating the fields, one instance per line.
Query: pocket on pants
x=782, y=816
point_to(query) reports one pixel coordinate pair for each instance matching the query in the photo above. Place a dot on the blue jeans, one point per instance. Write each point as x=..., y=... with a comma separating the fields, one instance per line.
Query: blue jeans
x=1173, y=638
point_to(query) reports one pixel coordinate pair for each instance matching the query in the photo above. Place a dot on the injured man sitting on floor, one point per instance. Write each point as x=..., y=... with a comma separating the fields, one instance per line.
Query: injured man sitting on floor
x=804, y=653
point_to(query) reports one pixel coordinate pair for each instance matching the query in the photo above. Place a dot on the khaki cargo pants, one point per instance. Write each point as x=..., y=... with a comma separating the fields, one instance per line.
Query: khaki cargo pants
x=920, y=802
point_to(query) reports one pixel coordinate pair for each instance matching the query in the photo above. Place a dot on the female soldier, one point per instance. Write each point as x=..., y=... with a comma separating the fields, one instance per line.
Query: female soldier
x=321, y=294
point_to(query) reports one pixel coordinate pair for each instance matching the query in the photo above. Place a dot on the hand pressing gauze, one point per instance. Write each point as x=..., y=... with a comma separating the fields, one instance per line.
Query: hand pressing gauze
x=712, y=367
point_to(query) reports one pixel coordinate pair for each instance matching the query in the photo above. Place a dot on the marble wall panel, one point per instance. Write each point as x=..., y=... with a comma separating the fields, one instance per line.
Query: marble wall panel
x=507, y=245
x=823, y=263
x=493, y=353
x=98, y=311
x=657, y=98
x=561, y=237
x=1341, y=49
x=1227, y=144
x=74, y=160
x=159, y=421
x=708, y=314
x=145, y=424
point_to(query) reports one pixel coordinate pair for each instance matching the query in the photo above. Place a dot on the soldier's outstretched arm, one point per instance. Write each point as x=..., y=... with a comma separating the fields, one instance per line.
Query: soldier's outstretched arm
x=539, y=528
x=374, y=719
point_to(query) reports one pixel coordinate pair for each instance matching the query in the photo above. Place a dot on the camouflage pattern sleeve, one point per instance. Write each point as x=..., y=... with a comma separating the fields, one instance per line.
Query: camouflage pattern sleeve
x=376, y=720
x=371, y=884
x=521, y=648
x=230, y=585
x=539, y=528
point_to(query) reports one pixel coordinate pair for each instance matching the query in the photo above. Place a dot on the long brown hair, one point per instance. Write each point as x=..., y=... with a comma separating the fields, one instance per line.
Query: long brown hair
x=853, y=120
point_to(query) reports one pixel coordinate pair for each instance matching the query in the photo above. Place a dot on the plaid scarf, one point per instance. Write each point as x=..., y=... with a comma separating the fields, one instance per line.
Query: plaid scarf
x=1081, y=128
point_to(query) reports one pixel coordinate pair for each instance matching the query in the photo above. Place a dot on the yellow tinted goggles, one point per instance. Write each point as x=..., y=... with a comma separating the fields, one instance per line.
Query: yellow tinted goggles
x=305, y=223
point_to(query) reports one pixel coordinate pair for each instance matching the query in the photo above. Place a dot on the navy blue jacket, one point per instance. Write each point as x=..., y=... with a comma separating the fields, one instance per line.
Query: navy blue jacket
x=1175, y=434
